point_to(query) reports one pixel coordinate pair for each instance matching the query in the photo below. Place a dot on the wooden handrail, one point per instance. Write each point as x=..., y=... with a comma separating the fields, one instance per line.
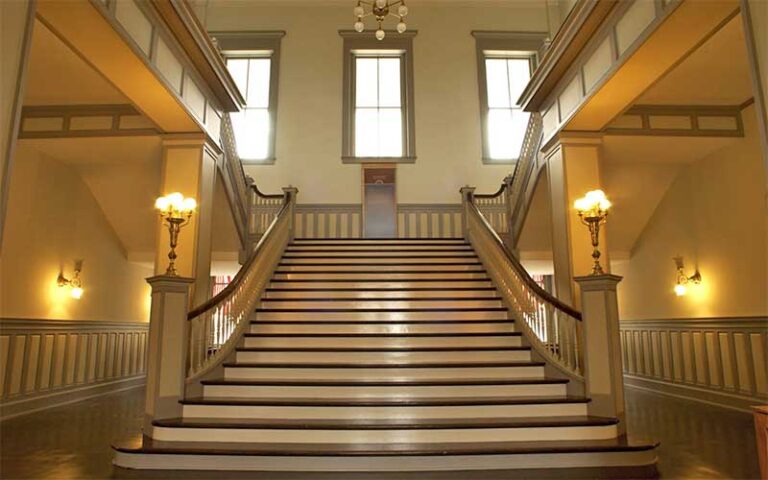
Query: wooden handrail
x=231, y=286
x=264, y=195
x=530, y=282
x=492, y=195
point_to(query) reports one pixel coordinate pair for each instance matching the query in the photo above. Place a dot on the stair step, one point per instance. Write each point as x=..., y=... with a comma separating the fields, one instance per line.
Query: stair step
x=380, y=275
x=349, y=267
x=381, y=356
x=391, y=249
x=413, y=388
x=392, y=315
x=382, y=293
x=378, y=241
x=383, y=340
x=386, y=304
x=364, y=283
x=398, y=457
x=357, y=259
x=580, y=427
x=353, y=327
x=330, y=373
x=379, y=254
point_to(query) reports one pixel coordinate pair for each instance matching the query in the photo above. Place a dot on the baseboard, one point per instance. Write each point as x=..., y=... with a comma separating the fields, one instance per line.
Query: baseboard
x=35, y=403
x=688, y=392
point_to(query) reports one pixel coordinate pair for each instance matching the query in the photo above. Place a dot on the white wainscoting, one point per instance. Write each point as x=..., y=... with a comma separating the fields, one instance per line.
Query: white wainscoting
x=714, y=360
x=50, y=362
x=346, y=221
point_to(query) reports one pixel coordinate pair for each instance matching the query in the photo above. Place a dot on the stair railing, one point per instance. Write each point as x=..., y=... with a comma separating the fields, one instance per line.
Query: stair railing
x=493, y=206
x=216, y=325
x=264, y=209
x=553, y=328
x=519, y=192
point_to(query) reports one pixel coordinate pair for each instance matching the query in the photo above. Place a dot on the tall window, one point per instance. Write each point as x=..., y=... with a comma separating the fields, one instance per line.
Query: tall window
x=252, y=125
x=378, y=98
x=253, y=59
x=505, y=61
x=378, y=106
x=506, y=77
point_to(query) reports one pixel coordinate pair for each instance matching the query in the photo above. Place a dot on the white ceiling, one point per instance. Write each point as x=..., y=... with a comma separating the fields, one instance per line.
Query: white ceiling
x=717, y=73
x=58, y=76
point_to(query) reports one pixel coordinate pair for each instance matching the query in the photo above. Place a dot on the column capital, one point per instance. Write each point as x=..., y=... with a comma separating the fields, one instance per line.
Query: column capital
x=170, y=284
x=593, y=283
x=571, y=139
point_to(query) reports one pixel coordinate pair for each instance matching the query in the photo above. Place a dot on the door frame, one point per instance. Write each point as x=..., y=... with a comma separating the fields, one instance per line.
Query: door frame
x=372, y=166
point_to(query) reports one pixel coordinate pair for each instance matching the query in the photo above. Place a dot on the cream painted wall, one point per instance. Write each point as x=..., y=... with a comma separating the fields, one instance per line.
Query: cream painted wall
x=13, y=31
x=712, y=215
x=448, y=138
x=53, y=219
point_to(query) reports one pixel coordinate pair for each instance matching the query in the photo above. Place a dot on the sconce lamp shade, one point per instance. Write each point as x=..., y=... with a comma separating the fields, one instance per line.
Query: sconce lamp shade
x=592, y=203
x=175, y=205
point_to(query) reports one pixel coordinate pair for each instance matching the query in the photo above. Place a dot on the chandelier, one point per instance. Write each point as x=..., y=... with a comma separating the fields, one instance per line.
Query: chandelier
x=381, y=9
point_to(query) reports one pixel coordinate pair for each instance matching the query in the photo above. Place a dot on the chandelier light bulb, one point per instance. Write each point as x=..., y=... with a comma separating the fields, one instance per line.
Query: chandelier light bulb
x=359, y=26
x=381, y=3
x=402, y=10
x=380, y=34
x=359, y=12
x=401, y=27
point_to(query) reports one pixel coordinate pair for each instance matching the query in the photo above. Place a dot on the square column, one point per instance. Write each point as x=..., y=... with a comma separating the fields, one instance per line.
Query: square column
x=573, y=167
x=189, y=167
x=167, y=348
x=604, y=379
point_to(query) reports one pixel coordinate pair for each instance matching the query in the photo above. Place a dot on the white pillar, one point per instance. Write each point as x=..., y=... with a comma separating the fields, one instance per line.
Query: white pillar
x=168, y=345
x=602, y=346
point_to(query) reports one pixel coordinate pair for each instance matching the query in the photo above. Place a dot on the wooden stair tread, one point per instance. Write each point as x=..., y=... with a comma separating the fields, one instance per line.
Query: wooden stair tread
x=387, y=382
x=382, y=402
x=389, y=299
x=386, y=424
x=423, y=309
x=149, y=446
x=379, y=349
x=377, y=322
x=381, y=365
x=382, y=335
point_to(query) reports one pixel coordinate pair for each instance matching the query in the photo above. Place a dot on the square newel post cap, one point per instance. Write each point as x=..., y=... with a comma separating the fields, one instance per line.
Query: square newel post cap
x=291, y=188
x=592, y=283
x=169, y=283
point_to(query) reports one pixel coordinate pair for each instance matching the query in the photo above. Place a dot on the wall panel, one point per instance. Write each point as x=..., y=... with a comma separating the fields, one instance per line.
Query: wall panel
x=716, y=360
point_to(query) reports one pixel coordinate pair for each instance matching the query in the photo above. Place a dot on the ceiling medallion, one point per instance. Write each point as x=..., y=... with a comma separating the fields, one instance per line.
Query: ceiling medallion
x=381, y=9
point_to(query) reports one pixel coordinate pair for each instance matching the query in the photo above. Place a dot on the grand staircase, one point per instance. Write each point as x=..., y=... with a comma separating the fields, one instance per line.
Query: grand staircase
x=383, y=355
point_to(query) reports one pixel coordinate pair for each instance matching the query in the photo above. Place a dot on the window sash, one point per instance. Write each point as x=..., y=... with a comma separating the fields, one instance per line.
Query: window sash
x=253, y=126
x=505, y=121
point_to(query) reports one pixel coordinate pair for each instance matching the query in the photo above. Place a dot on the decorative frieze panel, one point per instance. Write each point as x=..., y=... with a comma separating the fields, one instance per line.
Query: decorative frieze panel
x=59, y=121
x=680, y=120
x=44, y=358
x=716, y=360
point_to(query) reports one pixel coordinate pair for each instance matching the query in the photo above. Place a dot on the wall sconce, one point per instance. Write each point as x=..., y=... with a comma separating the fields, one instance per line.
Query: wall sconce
x=75, y=285
x=681, y=286
x=593, y=212
x=176, y=211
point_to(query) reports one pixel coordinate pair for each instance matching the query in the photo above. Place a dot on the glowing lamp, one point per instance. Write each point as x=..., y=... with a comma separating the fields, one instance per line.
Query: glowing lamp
x=75, y=284
x=681, y=285
x=592, y=209
x=176, y=211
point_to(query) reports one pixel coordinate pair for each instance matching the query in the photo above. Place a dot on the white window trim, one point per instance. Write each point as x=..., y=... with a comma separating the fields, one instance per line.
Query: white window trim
x=252, y=42
x=520, y=45
x=401, y=42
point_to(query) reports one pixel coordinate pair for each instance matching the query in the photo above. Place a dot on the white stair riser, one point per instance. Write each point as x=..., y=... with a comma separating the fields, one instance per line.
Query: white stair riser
x=385, y=463
x=352, y=328
x=382, y=283
x=382, y=413
x=382, y=304
x=357, y=391
x=385, y=436
x=378, y=241
x=293, y=341
x=390, y=316
x=460, y=373
x=376, y=254
x=433, y=269
x=376, y=259
x=353, y=294
x=385, y=357
x=382, y=275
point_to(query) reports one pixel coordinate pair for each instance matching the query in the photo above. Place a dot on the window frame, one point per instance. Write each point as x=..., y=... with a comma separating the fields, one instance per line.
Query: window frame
x=394, y=45
x=521, y=45
x=251, y=45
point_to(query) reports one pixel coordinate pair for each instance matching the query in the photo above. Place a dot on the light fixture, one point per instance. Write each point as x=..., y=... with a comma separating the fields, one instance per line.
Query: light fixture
x=681, y=285
x=75, y=284
x=381, y=9
x=593, y=212
x=176, y=211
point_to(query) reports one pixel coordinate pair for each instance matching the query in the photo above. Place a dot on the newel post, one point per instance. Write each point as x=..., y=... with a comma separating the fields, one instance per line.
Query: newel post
x=467, y=198
x=602, y=346
x=291, y=192
x=167, y=350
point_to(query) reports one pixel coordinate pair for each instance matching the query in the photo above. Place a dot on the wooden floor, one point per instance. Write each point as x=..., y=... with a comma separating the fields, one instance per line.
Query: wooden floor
x=73, y=442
